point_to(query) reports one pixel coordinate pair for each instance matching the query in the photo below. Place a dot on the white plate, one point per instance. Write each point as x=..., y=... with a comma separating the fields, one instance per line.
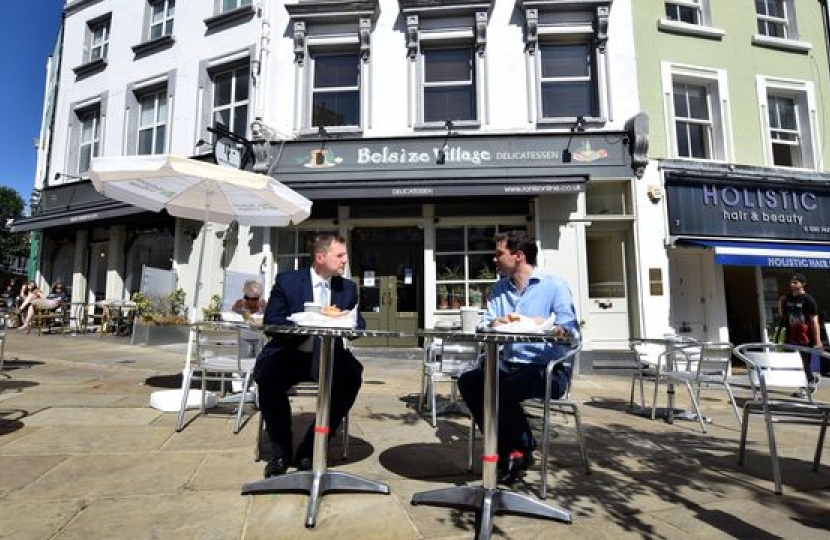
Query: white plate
x=308, y=318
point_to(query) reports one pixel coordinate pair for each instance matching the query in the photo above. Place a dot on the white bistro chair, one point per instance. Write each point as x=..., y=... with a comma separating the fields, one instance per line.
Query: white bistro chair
x=444, y=361
x=563, y=405
x=697, y=366
x=778, y=368
x=223, y=352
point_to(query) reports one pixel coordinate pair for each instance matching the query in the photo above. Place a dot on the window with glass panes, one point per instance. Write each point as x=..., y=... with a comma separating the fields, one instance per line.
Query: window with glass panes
x=784, y=131
x=230, y=99
x=228, y=5
x=335, y=99
x=89, y=140
x=293, y=247
x=566, y=76
x=161, y=18
x=773, y=19
x=693, y=120
x=449, y=90
x=464, y=267
x=99, y=41
x=687, y=11
x=152, y=122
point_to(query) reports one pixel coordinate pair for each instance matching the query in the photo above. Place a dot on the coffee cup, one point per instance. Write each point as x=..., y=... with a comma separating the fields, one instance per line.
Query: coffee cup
x=312, y=307
x=469, y=319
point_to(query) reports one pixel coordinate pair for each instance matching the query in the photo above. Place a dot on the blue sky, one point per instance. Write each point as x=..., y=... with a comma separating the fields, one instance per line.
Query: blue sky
x=28, y=31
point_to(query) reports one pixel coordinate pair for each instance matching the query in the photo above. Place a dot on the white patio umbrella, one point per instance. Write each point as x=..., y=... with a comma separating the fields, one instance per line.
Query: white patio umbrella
x=201, y=191
x=198, y=190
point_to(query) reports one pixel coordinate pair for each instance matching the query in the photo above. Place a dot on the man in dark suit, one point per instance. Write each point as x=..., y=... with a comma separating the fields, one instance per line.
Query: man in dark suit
x=287, y=360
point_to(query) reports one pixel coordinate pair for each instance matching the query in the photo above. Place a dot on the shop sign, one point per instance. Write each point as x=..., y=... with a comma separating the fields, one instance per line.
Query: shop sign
x=457, y=157
x=769, y=211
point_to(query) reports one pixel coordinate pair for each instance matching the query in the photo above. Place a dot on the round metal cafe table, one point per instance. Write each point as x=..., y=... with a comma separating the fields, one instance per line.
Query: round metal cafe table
x=488, y=499
x=318, y=481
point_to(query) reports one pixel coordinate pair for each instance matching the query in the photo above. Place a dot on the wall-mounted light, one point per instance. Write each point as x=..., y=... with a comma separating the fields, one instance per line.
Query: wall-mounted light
x=441, y=158
x=578, y=127
x=655, y=193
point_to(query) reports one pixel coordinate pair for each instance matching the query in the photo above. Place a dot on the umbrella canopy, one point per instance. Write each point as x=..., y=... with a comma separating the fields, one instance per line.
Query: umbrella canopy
x=197, y=190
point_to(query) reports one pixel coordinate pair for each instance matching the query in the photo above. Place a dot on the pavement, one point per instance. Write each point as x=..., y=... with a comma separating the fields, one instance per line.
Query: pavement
x=82, y=455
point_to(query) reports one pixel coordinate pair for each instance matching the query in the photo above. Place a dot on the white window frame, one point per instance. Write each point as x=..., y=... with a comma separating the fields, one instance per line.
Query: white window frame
x=790, y=41
x=783, y=22
x=591, y=78
x=97, y=45
x=432, y=46
x=703, y=27
x=230, y=5
x=543, y=27
x=715, y=83
x=88, y=145
x=803, y=95
x=231, y=106
x=429, y=29
x=317, y=50
x=159, y=120
x=167, y=13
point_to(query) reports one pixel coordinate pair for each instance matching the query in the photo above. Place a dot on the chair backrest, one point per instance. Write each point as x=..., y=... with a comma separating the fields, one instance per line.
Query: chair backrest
x=569, y=361
x=223, y=342
x=458, y=356
x=772, y=365
x=713, y=359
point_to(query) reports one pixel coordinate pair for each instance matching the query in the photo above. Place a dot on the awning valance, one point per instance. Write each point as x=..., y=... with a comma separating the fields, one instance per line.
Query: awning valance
x=772, y=254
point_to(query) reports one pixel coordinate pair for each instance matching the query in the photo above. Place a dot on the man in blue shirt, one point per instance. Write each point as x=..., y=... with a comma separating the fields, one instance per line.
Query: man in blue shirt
x=522, y=291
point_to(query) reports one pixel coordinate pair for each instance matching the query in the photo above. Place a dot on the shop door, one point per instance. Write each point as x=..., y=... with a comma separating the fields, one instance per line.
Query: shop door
x=387, y=264
x=97, y=271
x=607, y=318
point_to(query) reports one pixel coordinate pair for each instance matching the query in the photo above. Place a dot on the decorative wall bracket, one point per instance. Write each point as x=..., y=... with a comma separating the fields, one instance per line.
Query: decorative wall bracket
x=412, y=37
x=481, y=32
x=531, y=31
x=364, y=37
x=299, y=42
x=601, y=27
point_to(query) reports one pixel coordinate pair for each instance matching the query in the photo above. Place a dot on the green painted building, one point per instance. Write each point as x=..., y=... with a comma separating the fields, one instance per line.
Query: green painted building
x=737, y=97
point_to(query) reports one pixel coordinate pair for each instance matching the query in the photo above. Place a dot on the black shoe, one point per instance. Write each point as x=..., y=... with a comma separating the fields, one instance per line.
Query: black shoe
x=303, y=463
x=517, y=463
x=276, y=467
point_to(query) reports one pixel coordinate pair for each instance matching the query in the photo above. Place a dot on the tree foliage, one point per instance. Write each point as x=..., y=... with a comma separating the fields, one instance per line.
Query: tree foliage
x=11, y=207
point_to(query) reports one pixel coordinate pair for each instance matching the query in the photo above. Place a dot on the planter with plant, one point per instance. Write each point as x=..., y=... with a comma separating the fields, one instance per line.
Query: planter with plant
x=213, y=310
x=160, y=319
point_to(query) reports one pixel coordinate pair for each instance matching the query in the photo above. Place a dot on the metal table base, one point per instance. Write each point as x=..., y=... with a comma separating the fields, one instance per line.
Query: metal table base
x=319, y=481
x=488, y=500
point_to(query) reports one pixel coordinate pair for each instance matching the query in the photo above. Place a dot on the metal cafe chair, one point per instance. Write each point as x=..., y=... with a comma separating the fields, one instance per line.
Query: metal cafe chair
x=444, y=361
x=563, y=405
x=700, y=365
x=776, y=367
x=223, y=353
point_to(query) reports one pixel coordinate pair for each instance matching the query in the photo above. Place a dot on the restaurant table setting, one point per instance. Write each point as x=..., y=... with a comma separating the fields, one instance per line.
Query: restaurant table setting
x=318, y=481
x=489, y=499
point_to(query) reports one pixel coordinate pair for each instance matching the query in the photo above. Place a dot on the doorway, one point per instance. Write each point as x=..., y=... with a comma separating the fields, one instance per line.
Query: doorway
x=606, y=249
x=741, y=291
x=387, y=265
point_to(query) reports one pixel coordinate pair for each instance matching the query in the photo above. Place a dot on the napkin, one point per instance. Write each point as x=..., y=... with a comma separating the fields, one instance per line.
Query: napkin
x=347, y=319
x=527, y=325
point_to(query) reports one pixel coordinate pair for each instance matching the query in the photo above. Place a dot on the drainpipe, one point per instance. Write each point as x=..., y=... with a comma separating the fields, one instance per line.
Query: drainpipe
x=259, y=67
x=825, y=19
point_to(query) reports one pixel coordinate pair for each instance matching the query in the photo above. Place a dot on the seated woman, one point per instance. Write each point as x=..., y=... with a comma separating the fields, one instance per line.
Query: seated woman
x=251, y=302
x=36, y=299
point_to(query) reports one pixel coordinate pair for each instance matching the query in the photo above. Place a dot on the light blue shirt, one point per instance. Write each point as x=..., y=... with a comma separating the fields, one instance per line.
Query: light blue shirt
x=545, y=294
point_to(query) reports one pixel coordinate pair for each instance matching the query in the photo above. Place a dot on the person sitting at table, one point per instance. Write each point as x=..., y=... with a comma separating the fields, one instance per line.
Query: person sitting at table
x=36, y=299
x=288, y=359
x=251, y=302
x=527, y=291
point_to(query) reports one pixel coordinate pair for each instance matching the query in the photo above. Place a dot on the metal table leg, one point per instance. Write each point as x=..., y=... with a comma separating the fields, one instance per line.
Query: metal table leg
x=488, y=500
x=318, y=481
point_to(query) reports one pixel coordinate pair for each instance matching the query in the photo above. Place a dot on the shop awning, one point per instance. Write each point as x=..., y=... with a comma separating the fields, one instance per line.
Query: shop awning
x=772, y=254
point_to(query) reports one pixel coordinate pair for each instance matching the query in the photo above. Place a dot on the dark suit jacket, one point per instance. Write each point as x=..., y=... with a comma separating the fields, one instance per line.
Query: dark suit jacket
x=291, y=290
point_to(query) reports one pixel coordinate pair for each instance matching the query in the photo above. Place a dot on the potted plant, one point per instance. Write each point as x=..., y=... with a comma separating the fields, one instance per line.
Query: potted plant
x=214, y=308
x=160, y=319
x=443, y=297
